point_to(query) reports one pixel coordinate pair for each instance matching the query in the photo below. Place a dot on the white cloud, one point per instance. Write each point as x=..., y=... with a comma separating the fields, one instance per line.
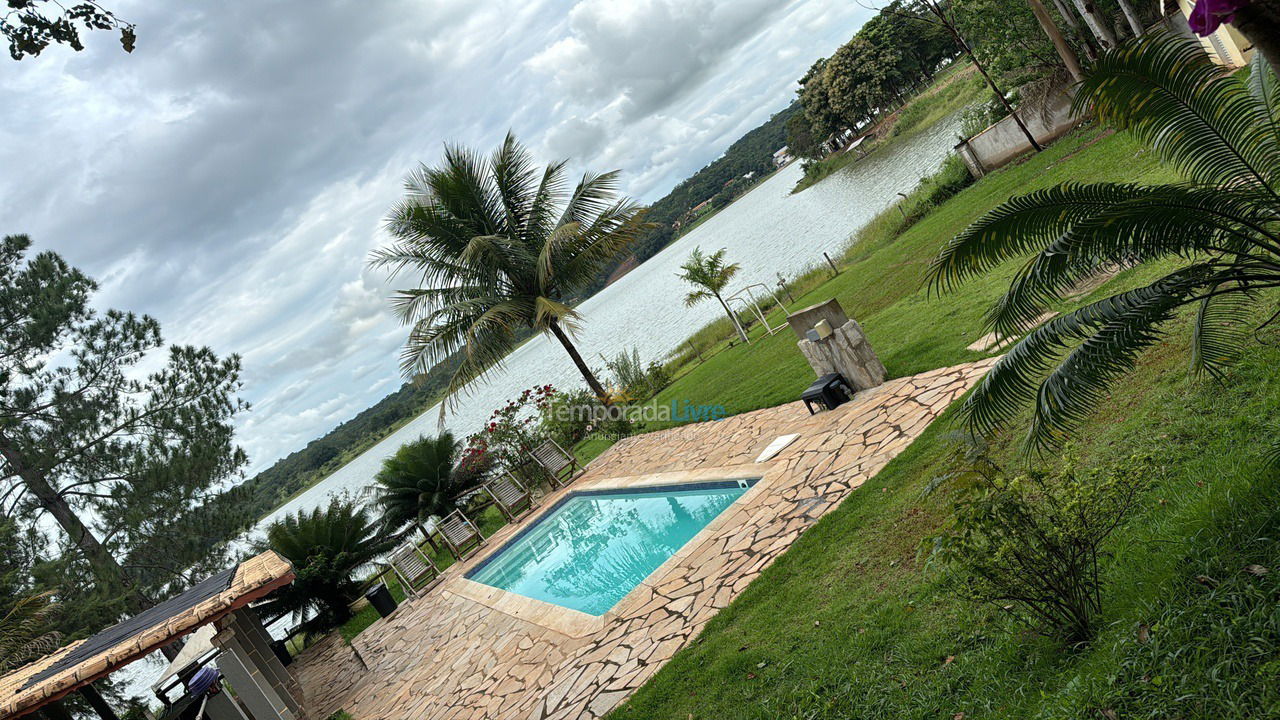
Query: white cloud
x=231, y=175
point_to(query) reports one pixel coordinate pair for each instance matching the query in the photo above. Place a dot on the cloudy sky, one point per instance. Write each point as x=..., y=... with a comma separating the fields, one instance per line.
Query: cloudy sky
x=230, y=176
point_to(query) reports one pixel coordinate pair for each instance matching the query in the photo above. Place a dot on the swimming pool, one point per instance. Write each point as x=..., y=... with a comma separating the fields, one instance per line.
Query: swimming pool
x=593, y=547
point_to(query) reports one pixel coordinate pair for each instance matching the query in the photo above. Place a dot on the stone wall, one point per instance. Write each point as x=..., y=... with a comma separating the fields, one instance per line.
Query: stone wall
x=845, y=351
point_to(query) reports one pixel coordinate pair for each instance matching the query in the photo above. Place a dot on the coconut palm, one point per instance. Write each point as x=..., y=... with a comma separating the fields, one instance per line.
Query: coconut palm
x=419, y=481
x=710, y=274
x=1223, y=134
x=497, y=247
x=327, y=546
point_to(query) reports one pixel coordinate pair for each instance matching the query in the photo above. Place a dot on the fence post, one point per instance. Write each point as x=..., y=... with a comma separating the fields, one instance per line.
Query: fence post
x=834, y=269
x=694, y=349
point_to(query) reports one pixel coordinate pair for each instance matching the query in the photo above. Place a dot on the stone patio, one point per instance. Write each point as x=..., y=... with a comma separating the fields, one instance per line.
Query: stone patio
x=465, y=651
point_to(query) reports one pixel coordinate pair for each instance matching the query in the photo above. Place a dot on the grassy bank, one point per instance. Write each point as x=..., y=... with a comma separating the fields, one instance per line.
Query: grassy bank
x=880, y=283
x=867, y=632
x=954, y=89
x=850, y=623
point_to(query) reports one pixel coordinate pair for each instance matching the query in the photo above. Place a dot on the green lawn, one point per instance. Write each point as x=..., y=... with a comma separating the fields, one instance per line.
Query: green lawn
x=849, y=624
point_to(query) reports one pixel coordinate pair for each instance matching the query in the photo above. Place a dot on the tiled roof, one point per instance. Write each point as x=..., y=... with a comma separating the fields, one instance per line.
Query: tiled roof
x=84, y=661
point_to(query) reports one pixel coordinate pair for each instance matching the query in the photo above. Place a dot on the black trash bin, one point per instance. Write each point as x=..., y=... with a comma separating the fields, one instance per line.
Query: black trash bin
x=381, y=599
x=281, y=649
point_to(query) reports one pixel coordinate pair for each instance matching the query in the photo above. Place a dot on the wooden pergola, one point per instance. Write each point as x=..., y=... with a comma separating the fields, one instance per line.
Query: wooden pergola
x=262, y=684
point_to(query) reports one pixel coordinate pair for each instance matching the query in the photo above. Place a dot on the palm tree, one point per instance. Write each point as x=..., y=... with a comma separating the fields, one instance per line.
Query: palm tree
x=497, y=248
x=710, y=274
x=327, y=547
x=24, y=630
x=1223, y=134
x=419, y=481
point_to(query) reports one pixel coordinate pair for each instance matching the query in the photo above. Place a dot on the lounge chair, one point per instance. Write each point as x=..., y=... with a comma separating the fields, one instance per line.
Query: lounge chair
x=415, y=570
x=460, y=534
x=561, y=465
x=511, y=497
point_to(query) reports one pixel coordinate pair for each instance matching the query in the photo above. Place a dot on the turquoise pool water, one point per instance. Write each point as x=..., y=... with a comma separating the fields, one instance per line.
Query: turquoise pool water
x=594, y=547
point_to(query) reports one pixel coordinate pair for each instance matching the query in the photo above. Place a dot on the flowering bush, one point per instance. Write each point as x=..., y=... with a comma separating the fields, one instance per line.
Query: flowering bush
x=511, y=431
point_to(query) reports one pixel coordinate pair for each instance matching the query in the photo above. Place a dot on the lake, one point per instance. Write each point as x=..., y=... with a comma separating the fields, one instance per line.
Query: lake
x=767, y=231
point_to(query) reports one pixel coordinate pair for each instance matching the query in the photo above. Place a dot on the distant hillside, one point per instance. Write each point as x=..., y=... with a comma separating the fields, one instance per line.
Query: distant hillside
x=721, y=182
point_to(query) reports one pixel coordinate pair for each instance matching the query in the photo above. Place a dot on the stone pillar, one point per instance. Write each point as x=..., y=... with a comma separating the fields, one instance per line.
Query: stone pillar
x=845, y=351
x=260, y=681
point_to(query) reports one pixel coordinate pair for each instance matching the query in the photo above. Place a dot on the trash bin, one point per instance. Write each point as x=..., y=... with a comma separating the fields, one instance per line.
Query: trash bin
x=381, y=599
x=281, y=650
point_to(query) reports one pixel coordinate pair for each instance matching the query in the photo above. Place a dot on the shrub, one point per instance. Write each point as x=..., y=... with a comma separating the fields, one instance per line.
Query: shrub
x=327, y=546
x=638, y=380
x=420, y=480
x=1031, y=543
x=560, y=419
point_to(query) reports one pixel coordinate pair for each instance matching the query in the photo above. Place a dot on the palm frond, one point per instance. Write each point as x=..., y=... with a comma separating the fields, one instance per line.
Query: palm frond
x=1272, y=457
x=1021, y=225
x=1166, y=90
x=593, y=195
x=511, y=168
x=1219, y=331
x=1164, y=221
x=553, y=311
x=1266, y=89
x=1100, y=341
x=25, y=630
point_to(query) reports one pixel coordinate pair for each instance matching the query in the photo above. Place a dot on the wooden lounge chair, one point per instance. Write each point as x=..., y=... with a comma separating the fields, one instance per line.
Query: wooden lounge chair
x=512, y=498
x=415, y=570
x=561, y=465
x=460, y=534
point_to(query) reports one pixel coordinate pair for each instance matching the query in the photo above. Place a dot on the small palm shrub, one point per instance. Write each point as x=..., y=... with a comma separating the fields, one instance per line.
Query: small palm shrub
x=1031, y=543
x=421, y=480
x=328, y=547
x=1221, y=225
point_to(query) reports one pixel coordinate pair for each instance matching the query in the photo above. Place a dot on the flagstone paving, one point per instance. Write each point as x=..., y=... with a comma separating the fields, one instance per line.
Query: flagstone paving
x=446, y=655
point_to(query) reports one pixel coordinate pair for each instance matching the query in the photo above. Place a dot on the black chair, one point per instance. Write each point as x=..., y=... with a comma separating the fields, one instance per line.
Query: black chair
x=827, y=392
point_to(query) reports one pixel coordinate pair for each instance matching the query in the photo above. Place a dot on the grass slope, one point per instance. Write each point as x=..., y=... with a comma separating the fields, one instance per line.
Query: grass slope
x=867, y=632
x=882, y=284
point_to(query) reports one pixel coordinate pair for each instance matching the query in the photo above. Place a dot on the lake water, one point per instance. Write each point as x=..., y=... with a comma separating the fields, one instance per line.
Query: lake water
x=767, y=231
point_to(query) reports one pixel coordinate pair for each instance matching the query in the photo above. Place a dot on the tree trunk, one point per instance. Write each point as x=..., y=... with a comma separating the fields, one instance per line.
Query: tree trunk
x=587, y=375
x=1060, y=43
x=1131, y=15
x=1068, y=16
x=1072, y=19
x=105, y=567
x=1259, y=21
x=732, y=318
x=1097, y=24
x=994, y=88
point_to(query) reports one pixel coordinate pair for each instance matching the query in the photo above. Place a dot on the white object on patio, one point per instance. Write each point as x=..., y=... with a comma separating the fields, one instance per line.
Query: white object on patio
x=778, y=445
